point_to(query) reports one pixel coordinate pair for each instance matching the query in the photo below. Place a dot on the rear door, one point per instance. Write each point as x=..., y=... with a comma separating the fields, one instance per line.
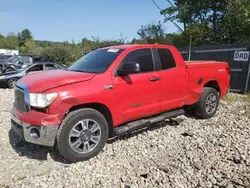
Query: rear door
x=174, y=80
x=137, y=95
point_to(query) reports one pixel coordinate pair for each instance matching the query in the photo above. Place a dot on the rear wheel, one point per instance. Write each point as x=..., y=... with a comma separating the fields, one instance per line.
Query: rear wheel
x=82, y=135
x=12, y=82
x=208, y=103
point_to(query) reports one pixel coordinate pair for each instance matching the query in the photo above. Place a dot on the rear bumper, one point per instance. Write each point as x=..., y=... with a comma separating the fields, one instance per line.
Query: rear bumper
x=36, y=134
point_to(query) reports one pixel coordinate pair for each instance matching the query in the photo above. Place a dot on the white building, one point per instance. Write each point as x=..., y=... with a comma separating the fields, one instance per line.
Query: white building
x=6, y=51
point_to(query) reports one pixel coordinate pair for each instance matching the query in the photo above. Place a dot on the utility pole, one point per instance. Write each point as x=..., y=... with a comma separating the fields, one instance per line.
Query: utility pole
x=190, y=48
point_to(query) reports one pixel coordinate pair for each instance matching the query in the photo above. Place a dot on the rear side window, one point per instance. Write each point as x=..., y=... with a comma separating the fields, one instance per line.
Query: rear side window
x=143, y=57
x=50, y=67
x=167, y=59
x=35, y=68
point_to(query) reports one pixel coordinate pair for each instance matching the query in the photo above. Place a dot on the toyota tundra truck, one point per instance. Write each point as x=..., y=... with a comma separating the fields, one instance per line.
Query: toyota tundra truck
x=112, y=91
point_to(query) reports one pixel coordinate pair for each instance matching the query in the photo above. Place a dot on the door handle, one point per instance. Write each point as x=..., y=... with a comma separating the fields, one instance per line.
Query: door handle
x=154, y=79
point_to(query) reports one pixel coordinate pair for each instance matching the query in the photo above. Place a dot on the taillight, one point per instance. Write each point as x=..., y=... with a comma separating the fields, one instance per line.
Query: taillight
x=228, y=69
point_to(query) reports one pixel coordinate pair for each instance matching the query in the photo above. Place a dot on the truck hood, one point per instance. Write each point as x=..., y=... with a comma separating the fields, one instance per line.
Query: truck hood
x=44, y=80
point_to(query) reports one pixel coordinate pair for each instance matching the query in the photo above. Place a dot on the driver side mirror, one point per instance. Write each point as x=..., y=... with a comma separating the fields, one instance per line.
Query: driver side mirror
x=129, y=68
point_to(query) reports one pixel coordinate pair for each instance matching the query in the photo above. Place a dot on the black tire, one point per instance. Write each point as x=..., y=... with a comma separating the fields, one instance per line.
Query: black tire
x=200, y=107
x=12, y=82
x=9, y=70
x=63, y=135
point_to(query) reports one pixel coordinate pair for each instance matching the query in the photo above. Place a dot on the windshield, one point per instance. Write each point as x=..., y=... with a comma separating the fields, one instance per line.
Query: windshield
x=96, y=61
x=14, y=59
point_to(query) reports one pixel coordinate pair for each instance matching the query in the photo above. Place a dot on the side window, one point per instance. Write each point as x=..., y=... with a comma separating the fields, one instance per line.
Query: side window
x=26, y=60
x=143, y=57
x=167, y=59
x=20, y=62
x=50, y=67
x=35, y=68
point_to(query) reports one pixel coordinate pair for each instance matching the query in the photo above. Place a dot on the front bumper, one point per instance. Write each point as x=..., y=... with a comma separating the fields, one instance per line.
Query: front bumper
x=3, y=82
x=36, y=134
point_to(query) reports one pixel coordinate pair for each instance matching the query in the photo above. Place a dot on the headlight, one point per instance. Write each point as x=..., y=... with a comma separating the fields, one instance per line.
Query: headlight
x=2, y=77
x=41, y=100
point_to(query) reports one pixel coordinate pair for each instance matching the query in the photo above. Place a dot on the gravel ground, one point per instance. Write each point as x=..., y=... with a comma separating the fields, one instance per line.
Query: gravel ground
x=184, y=152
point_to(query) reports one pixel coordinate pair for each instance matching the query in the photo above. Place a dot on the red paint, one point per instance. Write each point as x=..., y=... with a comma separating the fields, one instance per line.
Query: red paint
x=176, y=87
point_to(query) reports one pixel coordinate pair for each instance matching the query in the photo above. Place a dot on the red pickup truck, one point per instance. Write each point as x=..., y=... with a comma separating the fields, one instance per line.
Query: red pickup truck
x=112, y=91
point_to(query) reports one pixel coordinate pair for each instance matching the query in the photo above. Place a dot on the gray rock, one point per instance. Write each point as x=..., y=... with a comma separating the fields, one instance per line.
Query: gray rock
x=186, y=153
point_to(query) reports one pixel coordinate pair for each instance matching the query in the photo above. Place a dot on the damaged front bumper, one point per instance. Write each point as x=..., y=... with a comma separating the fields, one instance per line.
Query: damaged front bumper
x=35, y=134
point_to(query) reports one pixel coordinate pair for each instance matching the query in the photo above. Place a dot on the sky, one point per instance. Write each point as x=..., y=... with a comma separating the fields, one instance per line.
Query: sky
x=61, y=20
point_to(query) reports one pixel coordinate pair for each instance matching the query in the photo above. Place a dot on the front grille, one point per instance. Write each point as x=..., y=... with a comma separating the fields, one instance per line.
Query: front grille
x=20, y=100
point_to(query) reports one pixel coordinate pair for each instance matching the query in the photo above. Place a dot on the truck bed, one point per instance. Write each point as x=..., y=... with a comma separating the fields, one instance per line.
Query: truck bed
x=204, y=64
x=207, y=72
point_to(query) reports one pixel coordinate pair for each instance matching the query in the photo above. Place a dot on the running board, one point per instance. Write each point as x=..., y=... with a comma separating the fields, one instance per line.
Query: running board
x=139, y=124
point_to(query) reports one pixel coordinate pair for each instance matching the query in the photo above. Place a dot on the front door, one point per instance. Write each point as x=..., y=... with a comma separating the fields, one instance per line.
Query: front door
x=138, y=94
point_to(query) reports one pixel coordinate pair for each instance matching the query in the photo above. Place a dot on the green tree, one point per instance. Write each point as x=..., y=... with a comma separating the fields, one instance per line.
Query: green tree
x=23, y=36
x=235, y=25
x=28, y=47
x=9, y=42
x=95, y=43
x=152, y=33
x=59, y=53
x=211, y=21
x=138, y=41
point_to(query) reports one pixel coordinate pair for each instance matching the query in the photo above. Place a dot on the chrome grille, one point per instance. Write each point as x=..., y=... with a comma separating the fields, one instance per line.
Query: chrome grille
x=20, y=100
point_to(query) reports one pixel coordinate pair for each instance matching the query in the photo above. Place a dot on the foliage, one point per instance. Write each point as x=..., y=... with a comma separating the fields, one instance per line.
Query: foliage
x=28, y=46
x=235, y=26
x=139, y=41
x=61, y=52
x=25, y=34
x=95, y=43
x=212, y=21
x=9, y=42
x=152, y=33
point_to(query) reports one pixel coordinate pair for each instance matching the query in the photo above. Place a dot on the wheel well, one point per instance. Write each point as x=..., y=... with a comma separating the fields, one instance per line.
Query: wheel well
x=213, y=84
x=104, y=110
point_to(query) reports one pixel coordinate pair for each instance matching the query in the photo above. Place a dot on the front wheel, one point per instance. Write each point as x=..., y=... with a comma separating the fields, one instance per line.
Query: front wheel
x=82, y=135
x=208, y=103
x=12, y=82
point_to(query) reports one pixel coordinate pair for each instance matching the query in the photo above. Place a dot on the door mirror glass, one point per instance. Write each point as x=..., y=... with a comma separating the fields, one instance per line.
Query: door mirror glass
x=128, y=68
